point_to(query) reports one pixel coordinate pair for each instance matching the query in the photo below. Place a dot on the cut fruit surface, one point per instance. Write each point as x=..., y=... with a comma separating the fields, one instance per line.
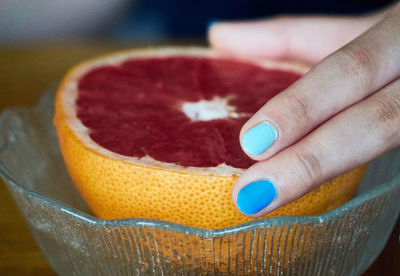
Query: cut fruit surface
x=155, y=134
x=182, y=110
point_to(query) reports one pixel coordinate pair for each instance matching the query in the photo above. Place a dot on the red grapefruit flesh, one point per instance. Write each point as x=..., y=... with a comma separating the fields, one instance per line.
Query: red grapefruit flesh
x=137, y=108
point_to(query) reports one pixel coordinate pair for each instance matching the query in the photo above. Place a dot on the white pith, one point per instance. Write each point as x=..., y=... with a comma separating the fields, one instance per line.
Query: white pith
x=218, y=108
x=207, y=110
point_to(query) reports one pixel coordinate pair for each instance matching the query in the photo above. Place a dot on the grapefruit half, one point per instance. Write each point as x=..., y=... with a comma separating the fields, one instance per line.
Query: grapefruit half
x=154, y=133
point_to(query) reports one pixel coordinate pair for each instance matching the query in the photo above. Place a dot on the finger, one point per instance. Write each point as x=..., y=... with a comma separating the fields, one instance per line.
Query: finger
x=340, y=80
x=353, y=137
x=307, y=38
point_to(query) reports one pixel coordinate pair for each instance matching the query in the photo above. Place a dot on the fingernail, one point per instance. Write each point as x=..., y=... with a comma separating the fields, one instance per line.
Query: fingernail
x=211, y=22
x=256, y=196
x=259, y=138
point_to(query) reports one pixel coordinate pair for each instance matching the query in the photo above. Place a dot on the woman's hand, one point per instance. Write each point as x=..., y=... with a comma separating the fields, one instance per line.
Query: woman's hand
x=344, y=112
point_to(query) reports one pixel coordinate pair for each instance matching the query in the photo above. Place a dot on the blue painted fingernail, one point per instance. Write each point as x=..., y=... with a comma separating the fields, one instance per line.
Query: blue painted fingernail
x=256, y=196
x=257, y=139
x=211, y=22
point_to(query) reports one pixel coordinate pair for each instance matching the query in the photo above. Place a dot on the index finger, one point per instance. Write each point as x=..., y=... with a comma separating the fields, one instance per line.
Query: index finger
x=340, y=80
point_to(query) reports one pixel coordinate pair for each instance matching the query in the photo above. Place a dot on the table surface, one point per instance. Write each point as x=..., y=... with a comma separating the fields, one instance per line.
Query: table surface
x=25, y=72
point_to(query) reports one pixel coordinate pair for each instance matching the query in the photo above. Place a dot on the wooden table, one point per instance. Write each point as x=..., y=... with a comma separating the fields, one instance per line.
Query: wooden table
x=25, y=72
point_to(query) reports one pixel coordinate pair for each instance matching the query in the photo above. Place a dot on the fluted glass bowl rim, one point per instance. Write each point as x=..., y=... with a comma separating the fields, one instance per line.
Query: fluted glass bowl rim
x=159, y=224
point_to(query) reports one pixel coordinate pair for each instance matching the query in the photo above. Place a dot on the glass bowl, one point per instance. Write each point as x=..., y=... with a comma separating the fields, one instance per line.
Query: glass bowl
x=344, y=241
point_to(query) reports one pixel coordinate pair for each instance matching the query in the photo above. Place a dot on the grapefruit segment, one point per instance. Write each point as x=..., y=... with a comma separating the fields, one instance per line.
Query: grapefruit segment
x=154, y=134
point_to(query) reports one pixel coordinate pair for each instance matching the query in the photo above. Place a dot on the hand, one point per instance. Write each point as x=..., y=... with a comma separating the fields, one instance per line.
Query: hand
x=344, y=112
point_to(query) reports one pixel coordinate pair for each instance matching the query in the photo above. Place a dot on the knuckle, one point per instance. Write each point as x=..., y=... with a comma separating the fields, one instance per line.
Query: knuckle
x=308, y=168
x=358, y=62
x=298, y=109
x=300, y=106
x=385, y=112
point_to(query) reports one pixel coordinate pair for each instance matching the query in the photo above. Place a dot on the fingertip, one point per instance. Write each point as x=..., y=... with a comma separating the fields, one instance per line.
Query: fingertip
x=259, y=138
x=256, y=196
x=216, y=33
x=231, y=37
x=211, y=22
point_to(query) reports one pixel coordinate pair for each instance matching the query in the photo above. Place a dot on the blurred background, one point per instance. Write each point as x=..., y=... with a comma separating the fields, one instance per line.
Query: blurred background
x=27, y=21
x=41, y=39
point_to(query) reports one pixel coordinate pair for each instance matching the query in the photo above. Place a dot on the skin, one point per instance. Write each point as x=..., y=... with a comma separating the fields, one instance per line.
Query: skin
x=344, y=112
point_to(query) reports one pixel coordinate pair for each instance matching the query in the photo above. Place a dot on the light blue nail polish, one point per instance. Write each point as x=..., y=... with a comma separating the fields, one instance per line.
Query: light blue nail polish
x=256, y=196
x=257, y=139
